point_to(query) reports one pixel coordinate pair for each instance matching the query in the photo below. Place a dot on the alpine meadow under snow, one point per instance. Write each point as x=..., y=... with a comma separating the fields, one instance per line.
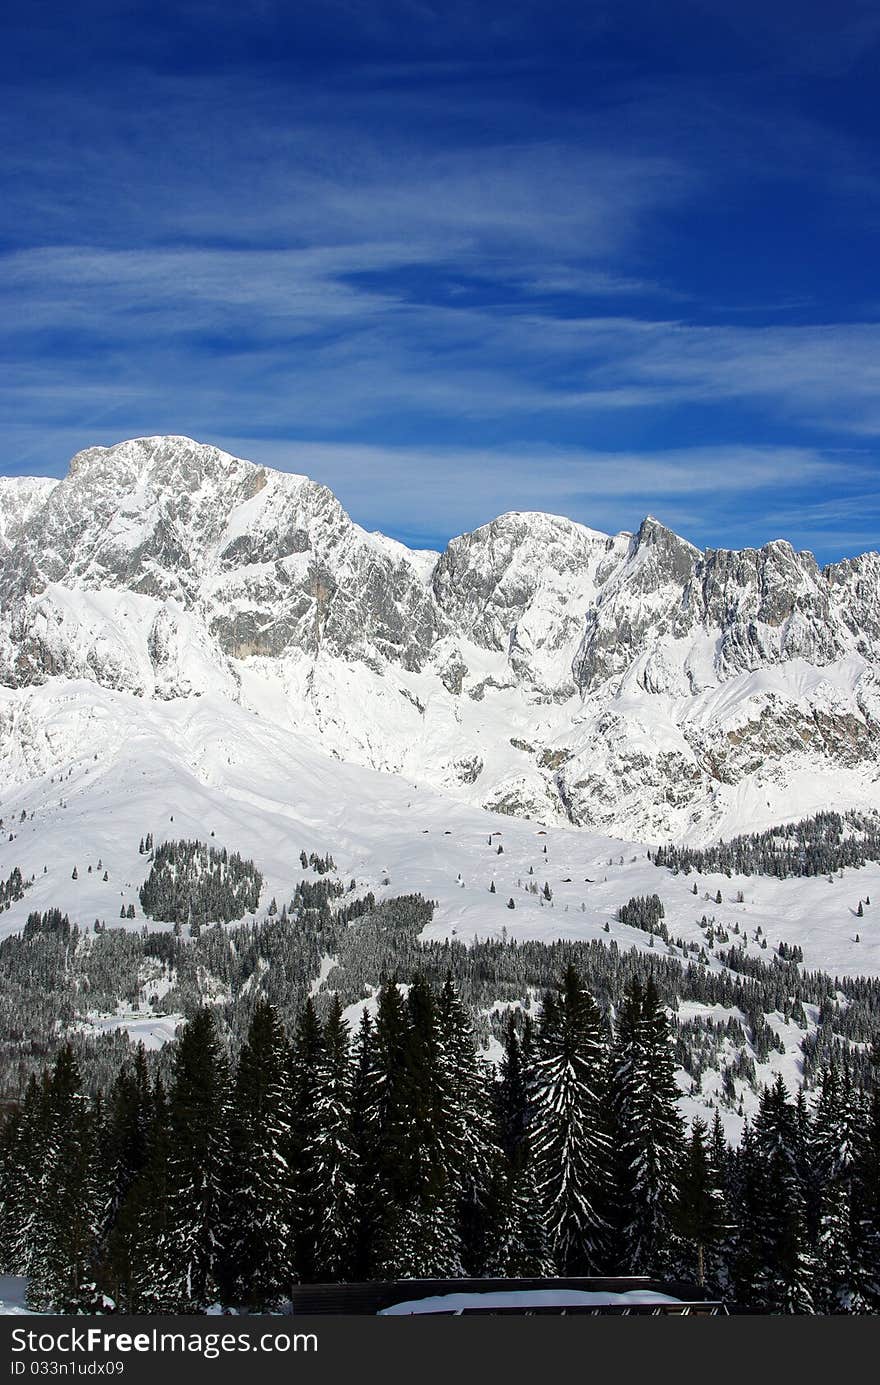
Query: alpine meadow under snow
x=216, y=689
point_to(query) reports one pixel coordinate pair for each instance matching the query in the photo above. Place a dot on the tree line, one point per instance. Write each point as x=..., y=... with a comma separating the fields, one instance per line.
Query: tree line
x=56, y=973
x=817, y=845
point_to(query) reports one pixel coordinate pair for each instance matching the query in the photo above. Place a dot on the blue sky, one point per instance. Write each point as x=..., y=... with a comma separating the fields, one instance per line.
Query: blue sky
x=599, y=259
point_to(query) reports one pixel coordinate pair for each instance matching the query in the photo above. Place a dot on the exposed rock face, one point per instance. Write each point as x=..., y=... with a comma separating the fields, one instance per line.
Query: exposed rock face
x=523, y=585
x=268, y=561
x=21, y=497
x=630, y=682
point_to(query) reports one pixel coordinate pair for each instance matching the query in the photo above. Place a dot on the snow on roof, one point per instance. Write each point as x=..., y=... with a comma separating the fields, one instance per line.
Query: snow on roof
x=525, y=1298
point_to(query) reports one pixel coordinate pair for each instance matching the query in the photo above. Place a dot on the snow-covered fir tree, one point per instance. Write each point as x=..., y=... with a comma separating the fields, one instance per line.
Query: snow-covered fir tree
x=185, y=1259
x=67, y=1216
x=125, y=1147
x=369, y=1195
x=568, y=1134
x=328, y=1154
x=306, y=1066
x=257, y=1253
x=782, y=1280
x=647, y=1134
x=699, y=1209
x=517, y=1243
x=425, y=1220
x=466, y=1117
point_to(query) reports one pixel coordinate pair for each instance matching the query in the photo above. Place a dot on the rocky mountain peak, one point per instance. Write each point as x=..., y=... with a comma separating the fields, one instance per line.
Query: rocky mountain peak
x=173, y=462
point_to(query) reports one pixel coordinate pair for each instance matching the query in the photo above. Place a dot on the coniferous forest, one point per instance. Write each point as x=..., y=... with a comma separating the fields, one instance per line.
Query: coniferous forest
x=269, y=1145
x=193, y=883
x=318, y=1156
x=817, y=845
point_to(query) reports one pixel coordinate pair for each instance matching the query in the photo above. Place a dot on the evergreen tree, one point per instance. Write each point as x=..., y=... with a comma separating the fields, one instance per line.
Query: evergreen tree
x=699, y=1208
x=427, y=1226
x=647, y=1133
x=127, y=1256
x=257, y=1261
x=865, y=1207
x=415, y=1230
x=307, y=1065
x=67, y=1219
x=746, y=1194
x=186, y=1256
x=125, y=1148
x=330, y=1155
x=517, y=1241
x=467, y=1135
x=568, y=1135
x=24, y=1143
x=783, y=1281
x=370, y=1193
x=722, y=1165
x=512, y=1100
x=829, y=1187
x=10, y=1136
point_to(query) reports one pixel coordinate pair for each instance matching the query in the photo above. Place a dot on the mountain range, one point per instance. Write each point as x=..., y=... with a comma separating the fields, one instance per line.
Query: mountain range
x=630, y=683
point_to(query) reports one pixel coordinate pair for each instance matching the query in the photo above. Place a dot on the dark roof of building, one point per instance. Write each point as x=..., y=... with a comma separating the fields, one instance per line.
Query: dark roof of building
x=591, y=1295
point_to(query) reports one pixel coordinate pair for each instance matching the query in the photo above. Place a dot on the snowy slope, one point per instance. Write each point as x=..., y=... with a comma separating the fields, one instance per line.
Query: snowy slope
x=209, y=768
x=189, y=767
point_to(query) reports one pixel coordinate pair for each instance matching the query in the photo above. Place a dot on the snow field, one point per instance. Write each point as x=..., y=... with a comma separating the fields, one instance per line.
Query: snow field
x=192, y=767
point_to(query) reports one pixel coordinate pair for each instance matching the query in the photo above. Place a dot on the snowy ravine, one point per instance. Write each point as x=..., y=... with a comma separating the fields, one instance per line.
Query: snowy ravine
x=191, y=644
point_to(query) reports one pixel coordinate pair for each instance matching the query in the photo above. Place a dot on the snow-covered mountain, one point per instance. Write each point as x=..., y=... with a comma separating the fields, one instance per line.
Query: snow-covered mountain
x=630, y=683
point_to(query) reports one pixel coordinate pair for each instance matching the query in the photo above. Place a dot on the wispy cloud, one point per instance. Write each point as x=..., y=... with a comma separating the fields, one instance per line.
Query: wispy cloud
x=515, y=254
x=340, y=328
x=712, y=494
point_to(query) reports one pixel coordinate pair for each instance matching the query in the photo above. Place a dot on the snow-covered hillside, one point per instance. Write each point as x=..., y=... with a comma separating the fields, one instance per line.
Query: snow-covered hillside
x=212, y=769
x=629, y=684
x=189, y=768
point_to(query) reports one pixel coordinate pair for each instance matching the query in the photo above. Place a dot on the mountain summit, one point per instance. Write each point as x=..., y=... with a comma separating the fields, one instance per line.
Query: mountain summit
x=538, y=667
